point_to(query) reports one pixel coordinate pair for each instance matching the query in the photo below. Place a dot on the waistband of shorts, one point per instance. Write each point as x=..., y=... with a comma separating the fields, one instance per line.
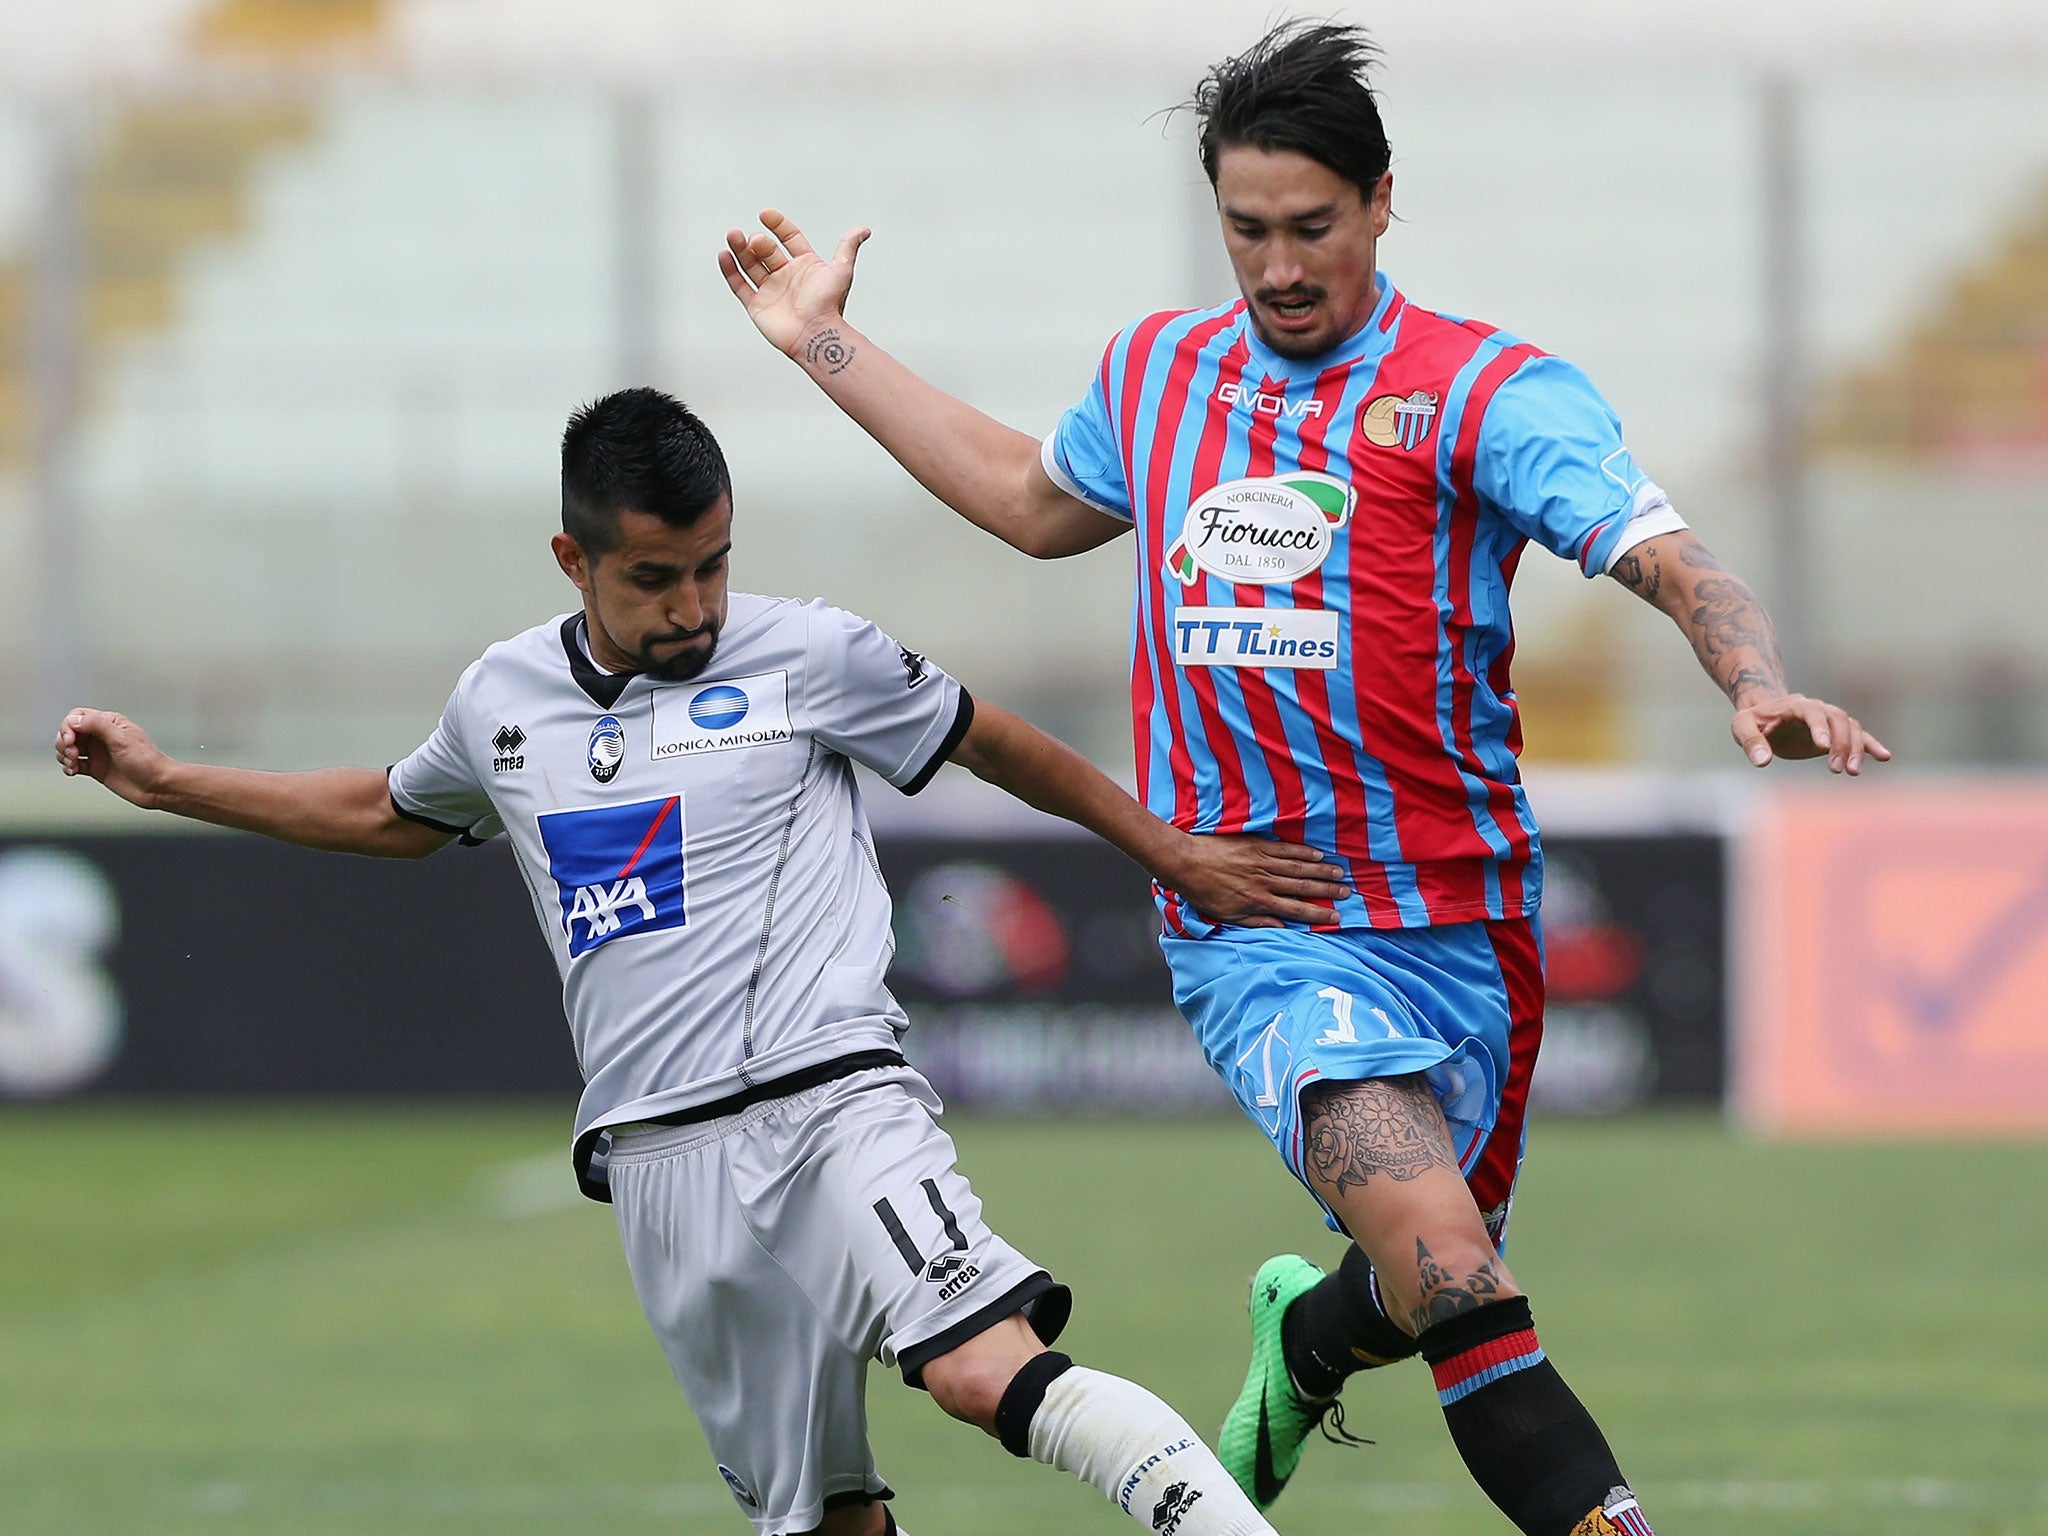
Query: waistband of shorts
x=799, y=1081
x=781, y=1087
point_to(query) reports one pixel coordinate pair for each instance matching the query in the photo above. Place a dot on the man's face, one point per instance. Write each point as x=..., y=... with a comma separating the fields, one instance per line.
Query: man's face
x=655, y=604
x=1301, y=239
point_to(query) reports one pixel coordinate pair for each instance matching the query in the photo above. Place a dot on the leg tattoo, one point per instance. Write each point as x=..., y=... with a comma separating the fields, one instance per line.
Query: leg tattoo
x=1445, y=1293
x=1390, y=1126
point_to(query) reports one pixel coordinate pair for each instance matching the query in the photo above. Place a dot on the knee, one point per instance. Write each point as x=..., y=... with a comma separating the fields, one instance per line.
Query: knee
x=969, y=1385
x=969, y=1380
x=870, y=1519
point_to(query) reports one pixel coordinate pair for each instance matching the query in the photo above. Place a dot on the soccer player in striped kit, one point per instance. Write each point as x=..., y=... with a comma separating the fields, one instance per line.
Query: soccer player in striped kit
x=1329, y=489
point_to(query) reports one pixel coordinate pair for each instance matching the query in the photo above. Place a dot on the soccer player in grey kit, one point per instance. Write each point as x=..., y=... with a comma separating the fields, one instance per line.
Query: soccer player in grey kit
x=673, y=765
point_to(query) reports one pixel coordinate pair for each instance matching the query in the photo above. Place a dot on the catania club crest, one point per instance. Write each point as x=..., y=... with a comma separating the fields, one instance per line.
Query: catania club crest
x=1261, y=532
x=1398, y=421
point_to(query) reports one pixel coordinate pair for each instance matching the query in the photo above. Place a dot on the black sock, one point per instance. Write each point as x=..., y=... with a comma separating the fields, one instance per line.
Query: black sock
x=1528, y=1442
x=1337, y=1327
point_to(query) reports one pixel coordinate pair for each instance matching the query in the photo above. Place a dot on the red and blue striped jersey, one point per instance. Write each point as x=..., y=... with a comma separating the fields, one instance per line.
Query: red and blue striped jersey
x=1321, y=635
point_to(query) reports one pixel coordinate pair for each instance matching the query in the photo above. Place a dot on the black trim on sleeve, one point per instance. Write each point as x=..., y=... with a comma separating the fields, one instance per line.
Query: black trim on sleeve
x=604, y=688
x=469, y=839
x=955, y=734
x=1045, y=1303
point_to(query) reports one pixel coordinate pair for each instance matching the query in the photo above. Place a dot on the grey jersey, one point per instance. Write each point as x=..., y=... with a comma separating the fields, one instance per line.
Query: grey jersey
x=696, y=852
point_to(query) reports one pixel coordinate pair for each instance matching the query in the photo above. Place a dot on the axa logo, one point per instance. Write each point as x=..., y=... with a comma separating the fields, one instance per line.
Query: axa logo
x=618, y=869
x=1261, y=403
x=599, y=906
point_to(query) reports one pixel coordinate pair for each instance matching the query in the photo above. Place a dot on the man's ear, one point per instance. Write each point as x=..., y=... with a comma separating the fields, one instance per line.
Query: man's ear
x=569, y=556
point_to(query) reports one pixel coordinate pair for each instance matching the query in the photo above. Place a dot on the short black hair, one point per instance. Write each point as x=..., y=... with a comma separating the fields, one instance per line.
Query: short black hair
x=1301, y=87
x=638, y=450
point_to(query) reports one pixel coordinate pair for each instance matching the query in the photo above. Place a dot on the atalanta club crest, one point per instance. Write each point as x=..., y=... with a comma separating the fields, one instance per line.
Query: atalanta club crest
x=1398, y=421
x=607, y=749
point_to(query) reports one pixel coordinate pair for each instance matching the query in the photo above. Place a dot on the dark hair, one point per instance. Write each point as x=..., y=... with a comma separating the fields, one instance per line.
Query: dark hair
x=636, y=451
x=1301, y=87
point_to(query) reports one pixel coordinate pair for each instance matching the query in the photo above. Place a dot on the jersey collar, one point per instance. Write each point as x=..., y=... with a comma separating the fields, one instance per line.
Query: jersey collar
x=603, y=687
x=1370, y=340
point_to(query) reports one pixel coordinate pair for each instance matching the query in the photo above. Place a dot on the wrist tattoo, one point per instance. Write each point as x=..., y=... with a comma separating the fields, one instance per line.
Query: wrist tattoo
x=830, y=351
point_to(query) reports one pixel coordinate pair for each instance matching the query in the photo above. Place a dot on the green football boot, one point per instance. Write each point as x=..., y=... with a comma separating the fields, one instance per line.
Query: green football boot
x=1268, y=1424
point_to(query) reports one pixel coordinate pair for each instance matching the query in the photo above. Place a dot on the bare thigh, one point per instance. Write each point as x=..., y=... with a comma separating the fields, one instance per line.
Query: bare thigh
x=1379, y=1154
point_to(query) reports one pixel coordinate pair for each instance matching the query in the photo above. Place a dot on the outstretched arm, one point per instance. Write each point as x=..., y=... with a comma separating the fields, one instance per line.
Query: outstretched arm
x=1251, y=881
x=1738, y=645
x=342, y=810
x=989, y=473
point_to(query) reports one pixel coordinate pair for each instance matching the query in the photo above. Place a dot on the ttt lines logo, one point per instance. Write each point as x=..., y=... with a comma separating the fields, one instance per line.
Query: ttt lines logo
x=618, y=869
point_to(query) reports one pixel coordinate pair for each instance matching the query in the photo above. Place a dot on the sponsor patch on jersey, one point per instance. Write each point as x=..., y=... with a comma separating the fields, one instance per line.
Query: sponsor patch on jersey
x=1259, y=532
x=716, y=717
x=1255, y=637
x=618, y=869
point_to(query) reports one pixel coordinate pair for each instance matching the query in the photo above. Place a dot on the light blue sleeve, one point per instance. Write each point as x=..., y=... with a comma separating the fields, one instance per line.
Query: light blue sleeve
x=1081, y=456
x=1551, y=462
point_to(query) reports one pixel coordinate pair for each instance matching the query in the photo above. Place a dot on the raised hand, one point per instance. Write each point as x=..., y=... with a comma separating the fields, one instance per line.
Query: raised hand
x=1794, y=726
x=791, y=292
x=1255, y=882
x=114, y=750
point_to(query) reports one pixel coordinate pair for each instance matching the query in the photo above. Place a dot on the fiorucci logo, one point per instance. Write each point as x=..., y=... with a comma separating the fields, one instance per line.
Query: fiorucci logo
x=1261, y=531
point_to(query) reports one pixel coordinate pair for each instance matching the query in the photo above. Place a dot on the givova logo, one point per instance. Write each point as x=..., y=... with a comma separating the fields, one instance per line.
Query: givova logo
x=618, y=869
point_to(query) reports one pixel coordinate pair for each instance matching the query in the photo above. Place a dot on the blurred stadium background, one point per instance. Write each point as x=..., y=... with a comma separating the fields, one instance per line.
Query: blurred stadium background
x=294, y=298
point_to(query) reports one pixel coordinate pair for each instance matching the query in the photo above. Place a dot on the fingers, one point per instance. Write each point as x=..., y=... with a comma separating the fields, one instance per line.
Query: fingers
x=850, y=244
x=76, y=735
x=729, y=268
x=1824, y=724
x=783, y=228
x=1796, y=726
x=1749, y=735
x=758, y=257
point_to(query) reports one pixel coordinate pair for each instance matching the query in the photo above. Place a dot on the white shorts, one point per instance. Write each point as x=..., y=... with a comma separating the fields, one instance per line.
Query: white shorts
x=780, y=1249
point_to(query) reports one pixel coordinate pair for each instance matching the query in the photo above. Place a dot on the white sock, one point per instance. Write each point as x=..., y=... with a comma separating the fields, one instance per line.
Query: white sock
x=1119, y=1438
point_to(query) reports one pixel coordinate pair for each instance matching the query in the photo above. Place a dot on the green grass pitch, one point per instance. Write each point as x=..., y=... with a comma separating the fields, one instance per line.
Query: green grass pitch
x=316, y=1319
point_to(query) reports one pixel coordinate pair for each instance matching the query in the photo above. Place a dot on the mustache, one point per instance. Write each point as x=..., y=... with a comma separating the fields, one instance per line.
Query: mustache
x=1307, y=291
x=681, y=634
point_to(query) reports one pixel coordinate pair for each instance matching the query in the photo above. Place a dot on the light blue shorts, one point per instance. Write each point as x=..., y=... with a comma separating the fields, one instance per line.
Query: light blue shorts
x=1279, y=1009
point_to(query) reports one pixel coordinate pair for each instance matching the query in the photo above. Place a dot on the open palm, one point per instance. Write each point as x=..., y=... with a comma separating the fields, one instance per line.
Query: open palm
x=786, y=286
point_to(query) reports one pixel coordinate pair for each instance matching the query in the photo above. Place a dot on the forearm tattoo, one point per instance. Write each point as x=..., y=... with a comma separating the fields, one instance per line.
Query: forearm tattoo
x=1445, y=1293
x=1646, y=580
x=1729, y=630
x=830, y=351
x=1390, y=1127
